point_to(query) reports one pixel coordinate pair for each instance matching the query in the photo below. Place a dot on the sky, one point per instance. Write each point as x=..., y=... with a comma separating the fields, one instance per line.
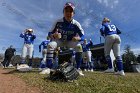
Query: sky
x=17, y=15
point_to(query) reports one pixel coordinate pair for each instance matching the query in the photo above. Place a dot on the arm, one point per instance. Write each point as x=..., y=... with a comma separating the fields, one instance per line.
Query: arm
x=118, y=31
x=82, y=38
x=102, y=31
x=40, y=47
x=14, y=51
x=90, y=43
x=53, y=30
x=34, y=36
x=80, y=32
x=22, y=35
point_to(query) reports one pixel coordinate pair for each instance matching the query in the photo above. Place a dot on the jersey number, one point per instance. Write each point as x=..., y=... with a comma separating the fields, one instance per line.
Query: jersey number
x=112, y=27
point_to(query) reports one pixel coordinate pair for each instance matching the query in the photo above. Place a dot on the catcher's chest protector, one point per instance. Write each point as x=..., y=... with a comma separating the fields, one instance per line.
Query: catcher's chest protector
x=65, y=72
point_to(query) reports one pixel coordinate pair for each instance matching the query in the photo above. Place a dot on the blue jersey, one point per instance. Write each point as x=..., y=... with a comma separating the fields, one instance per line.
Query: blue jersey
x=109, y=29
x=68, y=29
x=86, y=47
x=44, y=44
x=28, y=38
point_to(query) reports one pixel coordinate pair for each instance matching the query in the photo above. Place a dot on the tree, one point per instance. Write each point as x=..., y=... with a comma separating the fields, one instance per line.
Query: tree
x=1, y=56
x=128, y=58
x=129, y=55
x=138, y=58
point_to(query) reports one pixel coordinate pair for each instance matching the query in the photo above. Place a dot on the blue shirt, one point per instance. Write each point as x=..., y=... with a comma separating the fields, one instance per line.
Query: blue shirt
x=86, y=47
x=28, y=38
x=109, y=29
x=68, y=29
x=44, y=44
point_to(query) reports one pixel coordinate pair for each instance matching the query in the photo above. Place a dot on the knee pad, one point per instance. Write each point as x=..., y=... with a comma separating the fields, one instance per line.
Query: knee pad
x=78, y=48
x=22, y=60
x=52, y=45
x=50, y=54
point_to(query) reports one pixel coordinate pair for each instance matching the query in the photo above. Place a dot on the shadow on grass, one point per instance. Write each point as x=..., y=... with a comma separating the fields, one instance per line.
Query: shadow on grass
x=12, y=71
x=60, y=80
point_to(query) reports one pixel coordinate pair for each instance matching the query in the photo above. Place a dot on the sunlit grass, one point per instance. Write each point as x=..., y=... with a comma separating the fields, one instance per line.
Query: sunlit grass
x=92, y=82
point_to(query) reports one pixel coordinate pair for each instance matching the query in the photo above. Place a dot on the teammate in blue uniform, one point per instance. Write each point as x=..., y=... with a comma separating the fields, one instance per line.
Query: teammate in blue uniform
x=28, y=37
x=44, y=52
x=51, y=48
x=68, y=32
x=112, y=41
x=87, y=55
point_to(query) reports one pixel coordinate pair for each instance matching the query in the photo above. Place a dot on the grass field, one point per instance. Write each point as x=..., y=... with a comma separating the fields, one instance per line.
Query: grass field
x=92, y=82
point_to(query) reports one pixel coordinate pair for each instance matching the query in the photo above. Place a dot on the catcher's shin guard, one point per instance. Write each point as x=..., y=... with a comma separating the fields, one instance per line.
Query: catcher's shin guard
x=42, y=64
x=22, y=61
x=49, y=60
x=49, y=63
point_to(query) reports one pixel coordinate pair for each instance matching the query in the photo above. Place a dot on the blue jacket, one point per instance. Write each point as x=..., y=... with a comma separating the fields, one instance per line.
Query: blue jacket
x=86, y=47
x=44, y=44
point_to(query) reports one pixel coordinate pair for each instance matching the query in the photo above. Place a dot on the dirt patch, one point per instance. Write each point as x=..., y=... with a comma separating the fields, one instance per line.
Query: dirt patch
x=11, y=84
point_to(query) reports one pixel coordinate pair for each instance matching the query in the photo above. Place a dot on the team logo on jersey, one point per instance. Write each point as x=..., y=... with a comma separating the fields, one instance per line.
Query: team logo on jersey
x=70, y=32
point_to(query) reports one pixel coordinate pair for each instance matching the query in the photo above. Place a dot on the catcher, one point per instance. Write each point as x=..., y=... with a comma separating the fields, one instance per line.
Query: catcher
x=44, y=52
x=68, y=32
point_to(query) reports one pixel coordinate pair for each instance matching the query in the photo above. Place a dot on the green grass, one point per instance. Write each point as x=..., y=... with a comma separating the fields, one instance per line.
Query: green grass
x=92, y=82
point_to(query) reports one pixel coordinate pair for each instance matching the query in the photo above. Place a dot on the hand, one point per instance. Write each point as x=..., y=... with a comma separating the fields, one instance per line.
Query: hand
x=57, y=35
x=26, y=31
x=76, y=38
